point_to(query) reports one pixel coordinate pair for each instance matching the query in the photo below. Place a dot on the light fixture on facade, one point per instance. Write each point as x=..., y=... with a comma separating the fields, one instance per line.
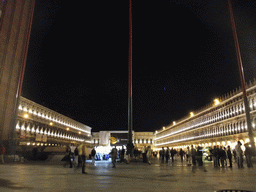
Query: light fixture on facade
x=174, y=123
x=216, y=102
x=26, y=116
x=191, y=114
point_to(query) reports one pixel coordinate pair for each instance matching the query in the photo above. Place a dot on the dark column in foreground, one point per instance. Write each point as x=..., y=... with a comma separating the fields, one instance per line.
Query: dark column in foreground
x=15, y=26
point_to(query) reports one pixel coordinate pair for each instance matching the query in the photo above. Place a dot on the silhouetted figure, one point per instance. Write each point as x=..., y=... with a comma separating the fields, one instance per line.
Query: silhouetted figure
x=229, y=154
x=222, y=155
x=167, y=154
x=162, y=154
x=181, y=153
x=144, y=154
x=248, y=154
x=114, y=156
x=173, y=152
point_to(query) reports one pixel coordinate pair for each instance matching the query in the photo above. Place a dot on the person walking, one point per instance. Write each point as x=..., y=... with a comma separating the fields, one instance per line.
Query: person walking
x=114, y=155
x=181, y=153
x=229, y=154
x=82, y=152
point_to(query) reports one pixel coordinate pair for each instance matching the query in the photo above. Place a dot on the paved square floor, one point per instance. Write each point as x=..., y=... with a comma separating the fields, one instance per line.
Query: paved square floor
x=34, y=176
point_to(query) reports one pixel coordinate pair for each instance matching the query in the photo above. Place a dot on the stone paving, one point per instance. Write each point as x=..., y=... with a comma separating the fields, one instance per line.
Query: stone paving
x=47, y=176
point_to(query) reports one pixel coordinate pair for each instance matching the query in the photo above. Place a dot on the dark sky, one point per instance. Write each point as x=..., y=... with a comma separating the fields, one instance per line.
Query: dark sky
x=183, y=57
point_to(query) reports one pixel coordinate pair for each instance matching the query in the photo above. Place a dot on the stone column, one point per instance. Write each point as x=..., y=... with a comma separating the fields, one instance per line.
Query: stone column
x=15, y=26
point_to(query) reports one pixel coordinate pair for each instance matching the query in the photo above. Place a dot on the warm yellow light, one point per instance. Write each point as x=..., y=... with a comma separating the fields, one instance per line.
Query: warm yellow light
x=216, y=101
x=26, y=116
x=174, y=123
x=163, y=128
x=67, y=128
x=79, y=132
x=191, y=114
x=51, y=123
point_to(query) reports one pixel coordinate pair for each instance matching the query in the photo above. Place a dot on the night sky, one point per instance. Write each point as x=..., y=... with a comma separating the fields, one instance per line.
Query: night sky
x=183, y=58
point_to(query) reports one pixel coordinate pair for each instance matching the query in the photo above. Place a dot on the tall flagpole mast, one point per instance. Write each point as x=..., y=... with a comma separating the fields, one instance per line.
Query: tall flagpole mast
x=241, y=72
x=130, y=112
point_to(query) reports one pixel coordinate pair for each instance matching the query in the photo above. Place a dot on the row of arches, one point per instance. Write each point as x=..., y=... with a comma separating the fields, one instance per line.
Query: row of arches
x=46, y=114
x=218, y=115
x=232, y=128
x=32, y=129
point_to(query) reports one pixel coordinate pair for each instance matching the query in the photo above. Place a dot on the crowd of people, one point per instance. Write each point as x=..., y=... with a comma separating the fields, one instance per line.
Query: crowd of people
x=76, y=156
x=220, y=155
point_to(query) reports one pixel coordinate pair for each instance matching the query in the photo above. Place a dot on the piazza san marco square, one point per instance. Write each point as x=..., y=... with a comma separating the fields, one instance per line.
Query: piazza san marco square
x=220, y=123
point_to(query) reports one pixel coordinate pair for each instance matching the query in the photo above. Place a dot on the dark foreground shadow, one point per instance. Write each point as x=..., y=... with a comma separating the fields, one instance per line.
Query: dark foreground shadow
x=8, y=184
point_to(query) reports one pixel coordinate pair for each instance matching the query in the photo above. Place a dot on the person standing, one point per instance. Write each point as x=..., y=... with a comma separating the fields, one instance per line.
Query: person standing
x=229, y=154
x=167, y=154
x=248, y=154
x=173, y=152
x=144, y=154
x=222, y=155
x=149, y=154
x=199, y=159
x=162, y=154
x=93, y=153
x=188, y=156
x=239, y=154
x=72, y=154
x=215, y=156
x=2, y=152
x=122, y=154
x=82, y=152
x=114, y=155
x=76, y=157
x=193, y=155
